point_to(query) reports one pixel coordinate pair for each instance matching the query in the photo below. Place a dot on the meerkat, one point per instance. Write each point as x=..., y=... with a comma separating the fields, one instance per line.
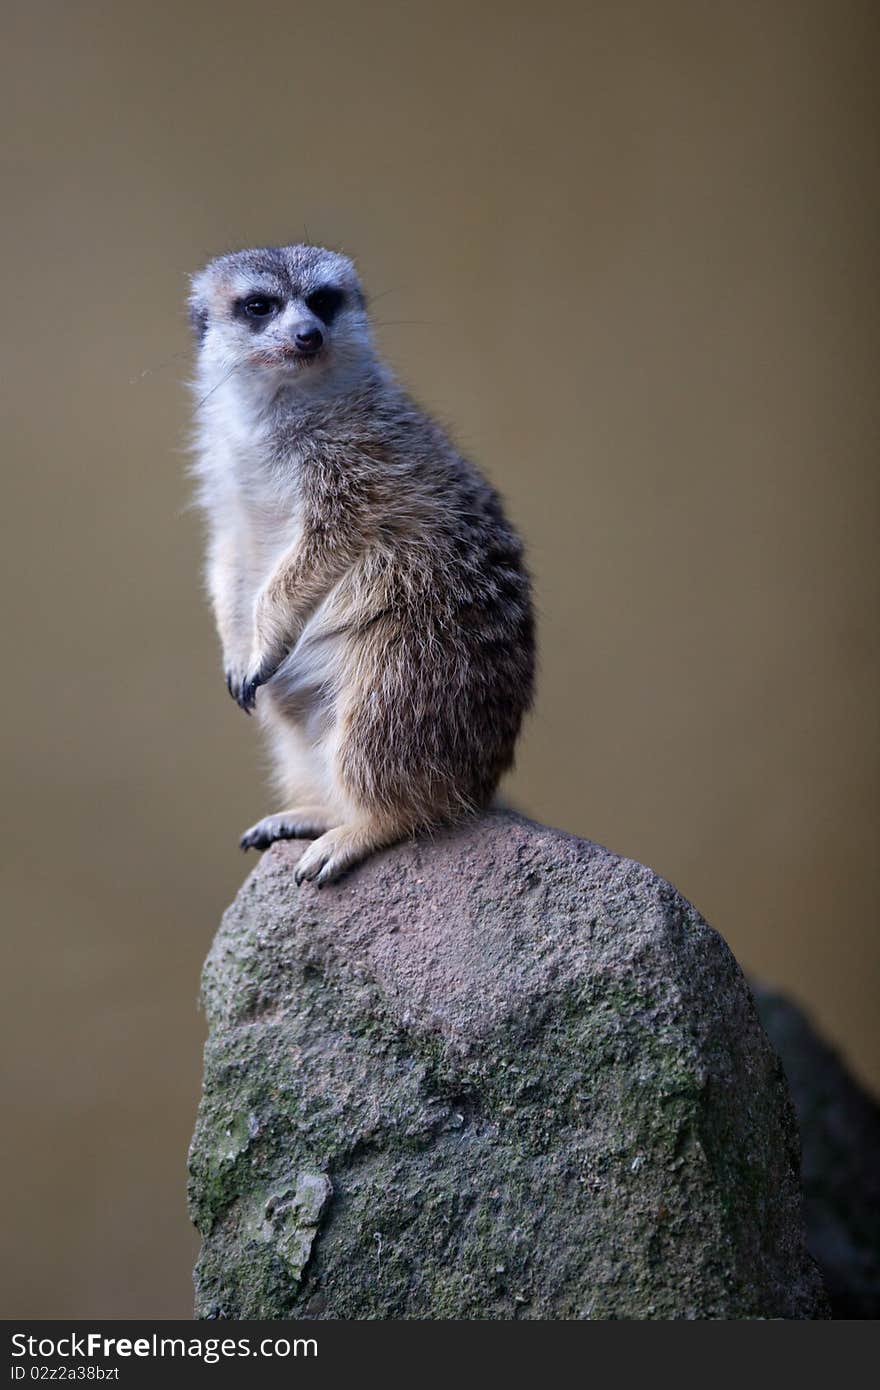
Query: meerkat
x=370, y=595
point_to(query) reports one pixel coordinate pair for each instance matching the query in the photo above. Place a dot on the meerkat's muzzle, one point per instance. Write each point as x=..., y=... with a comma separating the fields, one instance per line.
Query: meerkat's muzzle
x=308, y=341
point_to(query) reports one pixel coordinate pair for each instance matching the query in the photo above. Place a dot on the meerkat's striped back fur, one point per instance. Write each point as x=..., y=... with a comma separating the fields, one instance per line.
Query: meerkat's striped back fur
x=364, y=577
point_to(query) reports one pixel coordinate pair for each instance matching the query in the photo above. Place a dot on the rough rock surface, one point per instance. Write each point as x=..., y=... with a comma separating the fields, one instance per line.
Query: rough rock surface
x=500, y=1073
x=840, y=1142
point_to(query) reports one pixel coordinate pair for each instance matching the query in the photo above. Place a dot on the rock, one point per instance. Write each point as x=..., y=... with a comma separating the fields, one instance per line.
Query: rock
x=497, y=1073
x=840, y=1143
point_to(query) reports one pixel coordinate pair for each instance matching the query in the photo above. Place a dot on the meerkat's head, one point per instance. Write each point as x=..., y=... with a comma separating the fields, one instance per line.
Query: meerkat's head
x=279, y=316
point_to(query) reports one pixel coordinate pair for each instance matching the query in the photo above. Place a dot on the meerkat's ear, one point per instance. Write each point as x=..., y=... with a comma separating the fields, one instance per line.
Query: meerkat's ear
x=197, y=305
x=198, y=315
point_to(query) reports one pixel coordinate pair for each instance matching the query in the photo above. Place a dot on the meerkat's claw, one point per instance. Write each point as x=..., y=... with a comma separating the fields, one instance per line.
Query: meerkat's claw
x=242, y=690
x=261, y=835
x=324, y=860
x=302, y=824
x=247, y=695
x=233, y=683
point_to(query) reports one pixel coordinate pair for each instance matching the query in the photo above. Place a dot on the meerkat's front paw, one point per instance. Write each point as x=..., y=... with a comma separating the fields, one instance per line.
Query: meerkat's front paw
x=243, y=686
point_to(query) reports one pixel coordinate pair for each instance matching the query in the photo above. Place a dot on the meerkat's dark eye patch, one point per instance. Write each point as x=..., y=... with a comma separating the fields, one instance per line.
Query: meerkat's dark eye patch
x=257, y=306
x=325, y=302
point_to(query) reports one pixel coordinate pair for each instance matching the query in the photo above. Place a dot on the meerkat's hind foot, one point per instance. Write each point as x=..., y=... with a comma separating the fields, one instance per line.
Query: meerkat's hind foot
x=342, y=848
x=299, y=823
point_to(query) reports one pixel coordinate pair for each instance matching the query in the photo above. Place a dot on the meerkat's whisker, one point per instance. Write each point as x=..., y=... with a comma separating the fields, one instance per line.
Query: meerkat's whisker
x=148, y=371
x=223, y=380
x=383, y=294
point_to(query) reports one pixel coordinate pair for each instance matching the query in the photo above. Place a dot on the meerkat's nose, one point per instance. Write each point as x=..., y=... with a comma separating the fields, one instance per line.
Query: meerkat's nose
x=309, y=339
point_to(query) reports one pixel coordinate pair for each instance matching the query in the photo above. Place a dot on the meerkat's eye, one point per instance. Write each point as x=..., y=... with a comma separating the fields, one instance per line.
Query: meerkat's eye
x=259, y=306
x=325, y=302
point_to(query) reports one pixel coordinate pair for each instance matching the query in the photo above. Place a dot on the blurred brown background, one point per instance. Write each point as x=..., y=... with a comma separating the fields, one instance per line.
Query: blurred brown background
x=629, y=252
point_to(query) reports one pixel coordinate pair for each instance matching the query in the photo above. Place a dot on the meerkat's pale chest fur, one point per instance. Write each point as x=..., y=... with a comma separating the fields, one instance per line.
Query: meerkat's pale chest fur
x=364, y=578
